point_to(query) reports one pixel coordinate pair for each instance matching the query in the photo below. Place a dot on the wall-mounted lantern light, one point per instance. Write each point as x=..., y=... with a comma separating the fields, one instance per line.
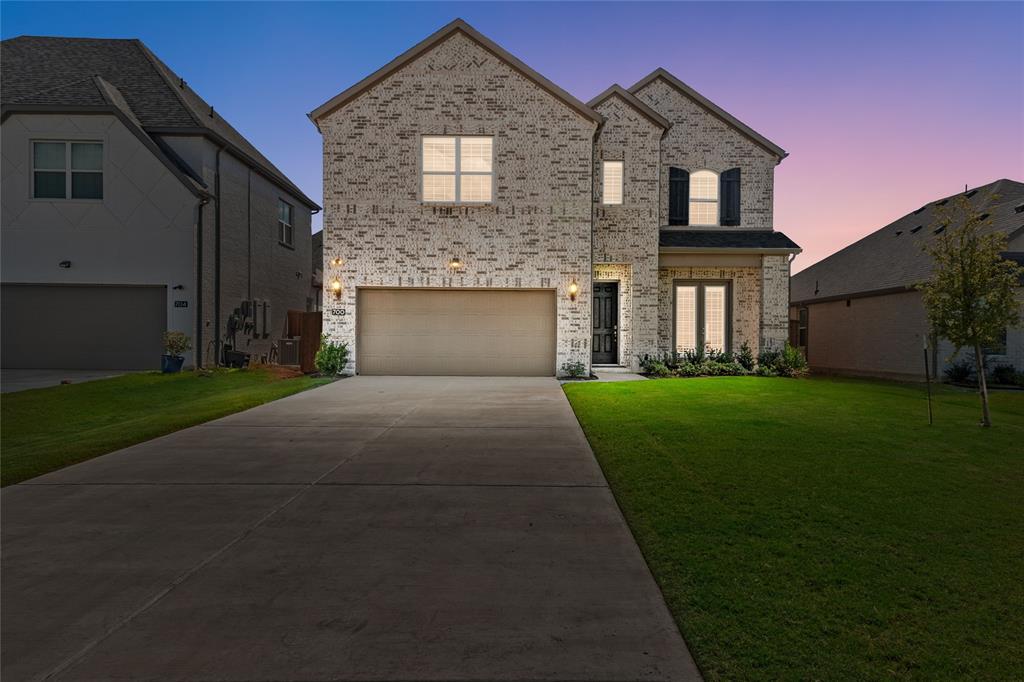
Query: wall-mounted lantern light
x=456, y=264
x=574, y=290
x=336, y=261
x=64, y=264
x=336, y=287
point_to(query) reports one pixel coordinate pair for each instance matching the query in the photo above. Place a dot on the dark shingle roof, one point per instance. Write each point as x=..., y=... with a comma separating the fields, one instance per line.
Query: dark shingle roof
x=726, y=239
x=893, y=257
x=50, y=71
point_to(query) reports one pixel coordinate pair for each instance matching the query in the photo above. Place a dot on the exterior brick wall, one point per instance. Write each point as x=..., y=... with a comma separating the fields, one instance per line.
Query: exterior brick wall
x=536, y=233
x=747, y=286
x=626, y=235
x=774, y=301
x=699, y=140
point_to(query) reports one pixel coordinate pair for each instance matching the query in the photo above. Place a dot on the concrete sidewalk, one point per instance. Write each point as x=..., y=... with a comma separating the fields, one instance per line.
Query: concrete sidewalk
x=384, y=528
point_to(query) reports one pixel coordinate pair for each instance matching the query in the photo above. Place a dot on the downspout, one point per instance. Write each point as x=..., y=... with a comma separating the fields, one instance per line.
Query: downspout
x=593, y=209
x=216, y=264
x=248, y=225
x=199, y=283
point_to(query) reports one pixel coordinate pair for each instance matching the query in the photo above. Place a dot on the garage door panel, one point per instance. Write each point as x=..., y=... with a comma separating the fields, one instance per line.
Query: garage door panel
x=456, y=332
x=82, y=326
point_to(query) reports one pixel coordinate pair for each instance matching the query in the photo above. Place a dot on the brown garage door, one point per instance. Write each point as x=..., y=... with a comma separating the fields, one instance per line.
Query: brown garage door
x=475, y=332
x=82, y=327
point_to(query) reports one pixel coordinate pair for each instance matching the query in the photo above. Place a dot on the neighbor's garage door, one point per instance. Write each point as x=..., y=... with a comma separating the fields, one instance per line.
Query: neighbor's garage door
x=456, y=332
x=82, y=326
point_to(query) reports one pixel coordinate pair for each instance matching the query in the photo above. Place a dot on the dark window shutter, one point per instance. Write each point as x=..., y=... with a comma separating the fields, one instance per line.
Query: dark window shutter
x=729, y=195
x=678, y=197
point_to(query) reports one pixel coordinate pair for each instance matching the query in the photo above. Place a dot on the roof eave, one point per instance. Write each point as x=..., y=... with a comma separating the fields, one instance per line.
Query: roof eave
x=436, y=38
x=728, y=249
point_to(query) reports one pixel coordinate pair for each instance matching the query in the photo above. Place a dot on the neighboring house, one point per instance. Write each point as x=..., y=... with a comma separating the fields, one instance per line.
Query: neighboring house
x=484, y=221
x=130, y=207
x=858, y=311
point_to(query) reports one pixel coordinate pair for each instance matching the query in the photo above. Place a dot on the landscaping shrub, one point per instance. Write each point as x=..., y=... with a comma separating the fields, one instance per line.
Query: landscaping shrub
x=960, y=371
x=1007, y=375
x=574, y=369
x=331, y=358
x=788, y=362
x=177, y=344
x=659, y=369
x=745, y=357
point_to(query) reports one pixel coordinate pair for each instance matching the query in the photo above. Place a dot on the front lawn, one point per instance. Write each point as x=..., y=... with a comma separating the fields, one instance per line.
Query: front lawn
x=820, y=529
x=49, y=428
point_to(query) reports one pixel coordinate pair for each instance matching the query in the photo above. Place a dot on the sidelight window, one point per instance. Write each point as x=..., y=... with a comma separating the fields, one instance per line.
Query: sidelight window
x=702, y=316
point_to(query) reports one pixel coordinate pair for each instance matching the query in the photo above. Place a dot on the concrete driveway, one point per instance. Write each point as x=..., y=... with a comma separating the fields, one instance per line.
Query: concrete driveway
x=379, y=528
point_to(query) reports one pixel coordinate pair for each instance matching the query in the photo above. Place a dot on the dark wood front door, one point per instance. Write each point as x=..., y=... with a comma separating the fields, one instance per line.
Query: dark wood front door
x=606, y=323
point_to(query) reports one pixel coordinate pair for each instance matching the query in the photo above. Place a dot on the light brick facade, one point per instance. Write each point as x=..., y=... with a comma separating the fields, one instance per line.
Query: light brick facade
x=547, y=225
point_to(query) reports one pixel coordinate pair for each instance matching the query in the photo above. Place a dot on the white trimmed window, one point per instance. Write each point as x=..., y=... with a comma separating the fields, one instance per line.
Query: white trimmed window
x=458, y=169
x=611, y=182
x=64, y=169
x=704, y=198
x=702, y=316
x=285, y=224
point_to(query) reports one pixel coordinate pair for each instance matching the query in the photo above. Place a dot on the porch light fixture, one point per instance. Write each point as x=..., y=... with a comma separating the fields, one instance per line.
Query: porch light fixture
x=455, y=264
x=336, y=287
x=574, y=290
x=336, y=261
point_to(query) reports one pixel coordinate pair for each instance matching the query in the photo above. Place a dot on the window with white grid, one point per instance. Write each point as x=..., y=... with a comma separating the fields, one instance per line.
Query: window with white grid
x=686, y=318
x=611, y=183
x=458, y=169
x=704, y=198
x=714, y=317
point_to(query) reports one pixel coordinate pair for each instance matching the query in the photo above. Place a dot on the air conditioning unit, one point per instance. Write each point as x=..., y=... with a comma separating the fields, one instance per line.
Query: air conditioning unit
x=288, y=351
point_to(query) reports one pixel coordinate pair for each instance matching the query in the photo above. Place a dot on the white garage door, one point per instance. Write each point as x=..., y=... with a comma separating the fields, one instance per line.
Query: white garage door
x=474, y=332
x=83, y=326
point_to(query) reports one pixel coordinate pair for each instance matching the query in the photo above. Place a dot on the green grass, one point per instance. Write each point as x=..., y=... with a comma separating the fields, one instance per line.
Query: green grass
x=820, y=529
x=49, y=428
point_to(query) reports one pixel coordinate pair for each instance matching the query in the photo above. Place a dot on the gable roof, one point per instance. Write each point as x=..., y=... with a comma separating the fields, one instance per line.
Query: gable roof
x=57, y=74
x=424, y=46
x=892, y=258
x=711, y=107
x=630, y=99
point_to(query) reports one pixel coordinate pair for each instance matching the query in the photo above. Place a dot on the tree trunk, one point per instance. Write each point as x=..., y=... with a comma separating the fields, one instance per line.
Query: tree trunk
x=979, y=362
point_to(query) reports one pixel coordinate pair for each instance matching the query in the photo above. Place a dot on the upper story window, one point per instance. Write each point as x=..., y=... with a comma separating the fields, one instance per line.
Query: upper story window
x=611, y=182
x=65, y=169
x=285, y=224
x=458, y=169
x=703, y=198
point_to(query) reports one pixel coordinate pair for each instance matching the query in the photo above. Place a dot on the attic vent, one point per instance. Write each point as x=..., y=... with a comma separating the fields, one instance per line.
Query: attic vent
x=971, y=193
x=939, y=230
x=916, y=229
x=941, y=203
x=899, y=232
x=983, y=216
x=1019, y=208
x=920, y=209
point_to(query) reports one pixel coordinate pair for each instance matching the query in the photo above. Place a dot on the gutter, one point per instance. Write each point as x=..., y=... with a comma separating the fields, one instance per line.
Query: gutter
x=728, y=251
x=859, y=294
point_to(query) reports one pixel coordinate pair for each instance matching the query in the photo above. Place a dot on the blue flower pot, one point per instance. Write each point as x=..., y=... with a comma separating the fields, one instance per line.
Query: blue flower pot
x=170, y=364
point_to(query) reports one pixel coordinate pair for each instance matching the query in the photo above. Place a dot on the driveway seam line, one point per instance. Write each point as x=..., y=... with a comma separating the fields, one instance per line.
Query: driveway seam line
x=181, y=578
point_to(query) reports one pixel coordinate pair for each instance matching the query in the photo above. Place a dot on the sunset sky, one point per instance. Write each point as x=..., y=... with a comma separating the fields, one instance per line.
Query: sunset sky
x=882, y=106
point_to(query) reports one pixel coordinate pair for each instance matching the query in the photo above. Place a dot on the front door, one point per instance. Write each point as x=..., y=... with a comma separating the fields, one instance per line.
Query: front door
x=606, y=323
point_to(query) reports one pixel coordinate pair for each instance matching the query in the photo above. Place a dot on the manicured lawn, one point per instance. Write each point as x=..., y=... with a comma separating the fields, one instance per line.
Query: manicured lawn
x=819, y=528
x=49, y=428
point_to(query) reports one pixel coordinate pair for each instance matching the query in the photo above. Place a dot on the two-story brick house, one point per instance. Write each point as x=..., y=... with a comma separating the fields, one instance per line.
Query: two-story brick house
x=481, y=220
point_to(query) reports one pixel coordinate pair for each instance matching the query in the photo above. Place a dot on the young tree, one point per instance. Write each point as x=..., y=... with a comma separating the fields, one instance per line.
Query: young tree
x=970, y=296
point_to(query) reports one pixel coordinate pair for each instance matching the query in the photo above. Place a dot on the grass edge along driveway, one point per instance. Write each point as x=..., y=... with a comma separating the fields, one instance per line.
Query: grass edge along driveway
x=819, y=528
x=46, y=429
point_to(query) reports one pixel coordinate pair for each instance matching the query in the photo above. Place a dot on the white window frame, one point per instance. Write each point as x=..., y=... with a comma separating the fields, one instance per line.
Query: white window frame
x=716, y=201
x=604, y=182
x=458, y=172
x=67, y=170
x=700, y=314
x=284, y=227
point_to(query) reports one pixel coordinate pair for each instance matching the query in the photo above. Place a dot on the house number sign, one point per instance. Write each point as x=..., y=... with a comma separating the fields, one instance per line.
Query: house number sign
x=338, y=311
x=181, y=304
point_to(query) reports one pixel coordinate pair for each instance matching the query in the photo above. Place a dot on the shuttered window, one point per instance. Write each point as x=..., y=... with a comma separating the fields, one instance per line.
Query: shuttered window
x=703, y=198
x=611, y=183
x=730, y=197
x=458, y=169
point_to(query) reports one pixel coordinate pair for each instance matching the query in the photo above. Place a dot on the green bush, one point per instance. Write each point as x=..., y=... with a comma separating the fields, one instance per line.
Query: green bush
x=961, y=371
x=574, y=369
x=331, y=358
x=659, y=369
x=788, y=362
x=176, y=344
x=745, y=357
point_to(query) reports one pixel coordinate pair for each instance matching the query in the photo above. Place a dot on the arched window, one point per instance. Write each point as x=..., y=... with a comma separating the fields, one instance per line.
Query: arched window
x=703, y=198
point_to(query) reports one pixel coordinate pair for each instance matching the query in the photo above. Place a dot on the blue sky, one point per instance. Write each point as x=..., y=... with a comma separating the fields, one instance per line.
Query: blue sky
x=882, y=106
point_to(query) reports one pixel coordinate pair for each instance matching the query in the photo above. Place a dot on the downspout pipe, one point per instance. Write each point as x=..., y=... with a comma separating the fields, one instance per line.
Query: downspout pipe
x=216, y=263
x=201, y=208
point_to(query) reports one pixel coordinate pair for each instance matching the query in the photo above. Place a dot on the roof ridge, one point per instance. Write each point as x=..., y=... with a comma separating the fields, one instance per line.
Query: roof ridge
x=632, y=100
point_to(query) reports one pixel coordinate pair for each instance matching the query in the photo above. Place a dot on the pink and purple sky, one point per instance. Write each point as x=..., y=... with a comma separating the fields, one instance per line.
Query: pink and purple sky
x=882, y=106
